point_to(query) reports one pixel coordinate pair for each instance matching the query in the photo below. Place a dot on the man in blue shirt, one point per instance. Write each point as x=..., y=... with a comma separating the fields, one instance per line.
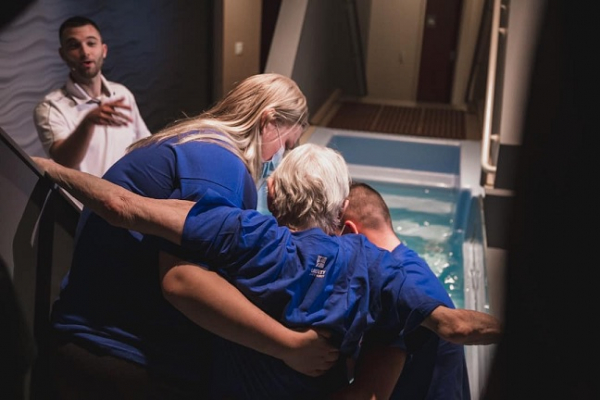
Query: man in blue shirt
x=302, y=274
x=438, y=370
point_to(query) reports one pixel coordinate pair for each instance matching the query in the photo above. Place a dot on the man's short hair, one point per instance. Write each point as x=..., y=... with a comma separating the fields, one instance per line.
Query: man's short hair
x=75, y=22
x=310, y=187
x=367, y=207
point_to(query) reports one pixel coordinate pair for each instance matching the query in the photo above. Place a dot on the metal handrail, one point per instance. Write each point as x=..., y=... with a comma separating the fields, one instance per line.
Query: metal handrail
x=490, y=88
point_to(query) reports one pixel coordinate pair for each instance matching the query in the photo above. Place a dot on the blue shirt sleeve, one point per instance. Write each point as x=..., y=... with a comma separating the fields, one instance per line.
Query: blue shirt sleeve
x=219, y=235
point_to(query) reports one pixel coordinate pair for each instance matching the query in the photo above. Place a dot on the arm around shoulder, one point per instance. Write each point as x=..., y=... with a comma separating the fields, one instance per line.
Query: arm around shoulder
x=117, y=205
x=211, y=302
x=466, y=327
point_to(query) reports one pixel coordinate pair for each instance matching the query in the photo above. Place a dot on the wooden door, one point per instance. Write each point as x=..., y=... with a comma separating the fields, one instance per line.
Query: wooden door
x=438, y=52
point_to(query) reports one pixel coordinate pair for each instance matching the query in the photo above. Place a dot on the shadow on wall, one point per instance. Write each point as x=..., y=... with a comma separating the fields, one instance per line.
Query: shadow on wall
x=11, y=9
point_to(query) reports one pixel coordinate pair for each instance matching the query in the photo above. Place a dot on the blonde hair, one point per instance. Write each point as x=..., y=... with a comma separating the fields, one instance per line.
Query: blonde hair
x=309, y=188
x=235, y=122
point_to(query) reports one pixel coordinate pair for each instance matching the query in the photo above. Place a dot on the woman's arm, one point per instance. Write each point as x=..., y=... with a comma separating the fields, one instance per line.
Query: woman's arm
x=222, y=309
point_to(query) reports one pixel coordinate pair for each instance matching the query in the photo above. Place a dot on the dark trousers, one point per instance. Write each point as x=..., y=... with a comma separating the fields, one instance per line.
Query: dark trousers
x=77, y=372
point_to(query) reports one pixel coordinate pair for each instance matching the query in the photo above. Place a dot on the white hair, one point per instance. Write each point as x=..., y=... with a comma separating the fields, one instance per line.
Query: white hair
x=309, y=188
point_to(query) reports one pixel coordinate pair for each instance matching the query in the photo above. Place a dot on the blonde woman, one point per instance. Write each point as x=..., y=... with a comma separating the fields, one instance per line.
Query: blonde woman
x=117, y=336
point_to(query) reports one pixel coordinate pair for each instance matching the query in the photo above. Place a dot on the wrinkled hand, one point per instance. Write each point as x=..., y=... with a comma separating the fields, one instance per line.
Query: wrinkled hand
x=109, y=113
x=44, y=164
x=314, y=356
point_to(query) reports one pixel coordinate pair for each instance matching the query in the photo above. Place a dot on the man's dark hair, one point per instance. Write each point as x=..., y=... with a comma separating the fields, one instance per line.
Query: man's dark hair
x=367, y=206
x=75, y=22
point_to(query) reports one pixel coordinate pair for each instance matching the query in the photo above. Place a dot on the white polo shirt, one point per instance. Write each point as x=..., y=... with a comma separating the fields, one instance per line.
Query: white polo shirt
x=61, y=111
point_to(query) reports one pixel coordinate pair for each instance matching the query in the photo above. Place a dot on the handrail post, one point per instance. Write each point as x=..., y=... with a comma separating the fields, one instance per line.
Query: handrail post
x=490, y=91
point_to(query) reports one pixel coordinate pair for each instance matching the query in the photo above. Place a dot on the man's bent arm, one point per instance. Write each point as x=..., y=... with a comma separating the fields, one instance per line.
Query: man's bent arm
x=72, y=150
x=375, y=374
x=117, y=205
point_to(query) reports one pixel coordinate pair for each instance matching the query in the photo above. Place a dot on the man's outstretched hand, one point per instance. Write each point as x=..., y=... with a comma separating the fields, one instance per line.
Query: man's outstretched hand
x=113, y=113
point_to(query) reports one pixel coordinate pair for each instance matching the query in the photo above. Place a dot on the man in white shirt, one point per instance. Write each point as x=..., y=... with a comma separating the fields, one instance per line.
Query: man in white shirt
x=88, y=123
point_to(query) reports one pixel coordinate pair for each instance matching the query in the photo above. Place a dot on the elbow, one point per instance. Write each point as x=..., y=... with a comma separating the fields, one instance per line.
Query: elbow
x=66, y=159
x=173, y=285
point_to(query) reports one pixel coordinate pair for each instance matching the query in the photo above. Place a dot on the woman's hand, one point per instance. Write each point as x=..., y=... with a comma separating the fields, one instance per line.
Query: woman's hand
x=313, y=355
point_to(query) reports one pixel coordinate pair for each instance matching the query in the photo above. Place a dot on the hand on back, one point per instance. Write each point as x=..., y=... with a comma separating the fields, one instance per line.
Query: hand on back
x=314, y=355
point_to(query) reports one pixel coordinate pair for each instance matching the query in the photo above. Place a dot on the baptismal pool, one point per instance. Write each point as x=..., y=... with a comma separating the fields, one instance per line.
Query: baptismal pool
x=432, y=189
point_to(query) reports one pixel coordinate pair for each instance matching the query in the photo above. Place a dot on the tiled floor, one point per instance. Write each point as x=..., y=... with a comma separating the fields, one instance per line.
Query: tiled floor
x=420, y=121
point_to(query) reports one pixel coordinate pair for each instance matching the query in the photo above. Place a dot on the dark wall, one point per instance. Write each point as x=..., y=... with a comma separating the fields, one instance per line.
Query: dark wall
x=270, y=12
x=549, y=348
x=11, y=9
x=160, y=49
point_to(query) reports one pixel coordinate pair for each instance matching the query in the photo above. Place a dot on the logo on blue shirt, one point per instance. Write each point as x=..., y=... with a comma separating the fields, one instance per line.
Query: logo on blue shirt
x=319, y=270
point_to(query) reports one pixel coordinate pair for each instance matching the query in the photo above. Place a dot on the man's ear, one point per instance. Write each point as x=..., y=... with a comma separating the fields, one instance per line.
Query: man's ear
x=350, y=227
